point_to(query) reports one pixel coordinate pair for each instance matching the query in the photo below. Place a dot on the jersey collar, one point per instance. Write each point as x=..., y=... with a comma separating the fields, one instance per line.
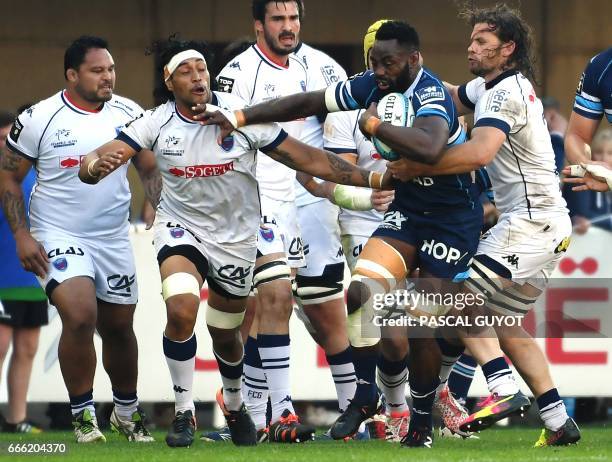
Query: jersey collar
x=213, y=100
x=490, y=84
x=265, y=58
x=78, y=109
x=412, y=86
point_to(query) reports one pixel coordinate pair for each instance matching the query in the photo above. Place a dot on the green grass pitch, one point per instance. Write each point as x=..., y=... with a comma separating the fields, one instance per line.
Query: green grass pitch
x=514, y=444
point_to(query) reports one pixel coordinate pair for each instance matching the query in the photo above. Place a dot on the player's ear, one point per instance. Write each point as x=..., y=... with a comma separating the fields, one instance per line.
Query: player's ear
x=72, y=75
x=169, y=85
x=258, y=27
x=508, y=48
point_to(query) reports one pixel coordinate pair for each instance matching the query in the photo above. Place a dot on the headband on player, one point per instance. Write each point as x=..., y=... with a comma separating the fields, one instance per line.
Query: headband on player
x=178, y=59
x=369, y=37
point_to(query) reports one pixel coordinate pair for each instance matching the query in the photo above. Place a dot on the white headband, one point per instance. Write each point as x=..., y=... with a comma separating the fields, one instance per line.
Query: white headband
x=178, y=59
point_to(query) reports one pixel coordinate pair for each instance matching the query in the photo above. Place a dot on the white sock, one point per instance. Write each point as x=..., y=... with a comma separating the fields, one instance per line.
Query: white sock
x=125, y=404
x=180, y=356
x=274, y=353
x=254, y=385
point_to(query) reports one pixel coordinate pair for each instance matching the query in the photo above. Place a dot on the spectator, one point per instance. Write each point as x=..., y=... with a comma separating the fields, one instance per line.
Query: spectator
x=557, y=125
x=23, y=310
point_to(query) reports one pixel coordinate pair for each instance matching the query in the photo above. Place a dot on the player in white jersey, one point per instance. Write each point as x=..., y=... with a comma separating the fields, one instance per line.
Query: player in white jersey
x=264, y=72
x=516, y=257
x=77, y=242
x=207, y=224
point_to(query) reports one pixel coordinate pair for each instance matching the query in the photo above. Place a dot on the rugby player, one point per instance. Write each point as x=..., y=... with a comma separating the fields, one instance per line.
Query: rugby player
x=516, y=257
x=77, y=242
x=206, y=226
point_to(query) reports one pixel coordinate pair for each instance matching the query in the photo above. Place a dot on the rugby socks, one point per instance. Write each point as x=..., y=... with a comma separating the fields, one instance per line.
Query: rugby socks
x=343, y=373
x=450, y=355
x=231, y=376
x=81, y=402
x=364, y=360
x=254, y=385
x=423, y=396
x=461, y=377
x=180, y=356
x=499, y=377
x=274, y=354
x=552, y=409
x=392, y=377
x=125, y=404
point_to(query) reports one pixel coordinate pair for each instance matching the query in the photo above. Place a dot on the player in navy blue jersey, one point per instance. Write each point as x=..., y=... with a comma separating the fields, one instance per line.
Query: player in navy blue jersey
x=433, y=223
x=593, y=100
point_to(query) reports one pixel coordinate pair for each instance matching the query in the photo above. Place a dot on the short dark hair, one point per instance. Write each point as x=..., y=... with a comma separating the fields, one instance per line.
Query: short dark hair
x=164, y=50
x=76, y=51
x=259, y=8
x=6, y=118
x=404, y=33
x=508, y=25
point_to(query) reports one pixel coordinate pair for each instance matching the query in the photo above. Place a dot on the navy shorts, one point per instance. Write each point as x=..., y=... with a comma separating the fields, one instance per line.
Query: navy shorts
x=446, y=241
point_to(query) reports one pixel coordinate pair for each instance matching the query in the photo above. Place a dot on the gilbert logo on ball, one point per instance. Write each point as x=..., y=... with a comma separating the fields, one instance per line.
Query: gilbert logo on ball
x=397, y=110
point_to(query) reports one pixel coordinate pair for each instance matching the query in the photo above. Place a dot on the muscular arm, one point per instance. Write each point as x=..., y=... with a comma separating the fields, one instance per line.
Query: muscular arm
x=146, y=166
x=578, y=137
x=454, y=91
x=287, y=108
x=424, y=142
x=13, y=169
x=105, y=160
x=326, y=188
x=477, y=152
x=322, y=164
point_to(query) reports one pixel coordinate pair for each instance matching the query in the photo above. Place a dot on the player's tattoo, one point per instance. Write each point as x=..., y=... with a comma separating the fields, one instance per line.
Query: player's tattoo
x=9, y=161
x=152, y=183
x=14, y=209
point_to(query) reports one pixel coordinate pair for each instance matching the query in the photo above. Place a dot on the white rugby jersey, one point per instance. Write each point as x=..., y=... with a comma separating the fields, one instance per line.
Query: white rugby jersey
x=523, y=172
x=322, y=72
x=255, y=78
x=56, y=135
x=342, y=135
x=212, y=189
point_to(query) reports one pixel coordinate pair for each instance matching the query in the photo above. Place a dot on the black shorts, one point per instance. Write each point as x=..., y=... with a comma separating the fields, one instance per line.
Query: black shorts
x=20, y=313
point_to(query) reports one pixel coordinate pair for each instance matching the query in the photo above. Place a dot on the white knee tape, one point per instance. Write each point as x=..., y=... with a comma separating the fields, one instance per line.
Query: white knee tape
x=180, y=283
x=355, y=331
x=223, y=320
x=271, y=271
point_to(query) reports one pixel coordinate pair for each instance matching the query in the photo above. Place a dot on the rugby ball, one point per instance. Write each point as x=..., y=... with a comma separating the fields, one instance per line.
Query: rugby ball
x=395, y=109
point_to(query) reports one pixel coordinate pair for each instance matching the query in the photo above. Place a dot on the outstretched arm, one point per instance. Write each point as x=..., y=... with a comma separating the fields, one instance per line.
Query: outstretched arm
x=477, y=152
x=578, y=137
x=105, y=160
x=326, y=165
x=284, y=109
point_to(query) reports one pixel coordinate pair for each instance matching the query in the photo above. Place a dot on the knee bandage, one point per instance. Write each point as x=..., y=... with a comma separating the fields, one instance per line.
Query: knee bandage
x=271, y=271
x=180, y=283
x=222, y=320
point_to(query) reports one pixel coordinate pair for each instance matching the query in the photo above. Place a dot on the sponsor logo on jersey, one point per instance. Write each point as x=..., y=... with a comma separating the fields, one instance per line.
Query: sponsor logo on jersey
x=172, y=148
x=226, y=84
x=120, y=284
x=496, y=99
x=70, y=161
x=235, y=65
x=177, y=233
x=138, y=117
x=30, y=110
x=268, y=220
x=235, y=276
x=374, y=154
x=69, y=251
x=296, y=249
x=61, y=264
x=393, y=220
x=430, y=94
x=267, y=234
x=16, y=130
x=329, y=74
x=512, y=260
x=270, y=89
x=441, y=251
x=228, y=143
x=171, y=225
x=200, y=171
x=63, y=138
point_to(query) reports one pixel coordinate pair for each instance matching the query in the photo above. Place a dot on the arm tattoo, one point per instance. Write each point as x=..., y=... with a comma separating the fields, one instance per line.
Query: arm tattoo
x=9, y=161
x=284, y=157
x=152, y=183
x=14, y=209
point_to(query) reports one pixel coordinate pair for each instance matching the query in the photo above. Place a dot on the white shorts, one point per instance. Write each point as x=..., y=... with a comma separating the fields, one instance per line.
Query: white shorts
x=280, y=218
x=227, y=269
x=353, y=242
x=322, y=277
x=109, y=262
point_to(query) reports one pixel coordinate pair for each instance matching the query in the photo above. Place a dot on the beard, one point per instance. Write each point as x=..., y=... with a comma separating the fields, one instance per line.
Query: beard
x=274, y=44
x=96, y=96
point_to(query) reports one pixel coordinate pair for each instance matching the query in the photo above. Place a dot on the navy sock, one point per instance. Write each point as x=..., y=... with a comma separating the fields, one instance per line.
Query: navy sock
x=423, y=396
x=461, y=377
x=365, y=371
